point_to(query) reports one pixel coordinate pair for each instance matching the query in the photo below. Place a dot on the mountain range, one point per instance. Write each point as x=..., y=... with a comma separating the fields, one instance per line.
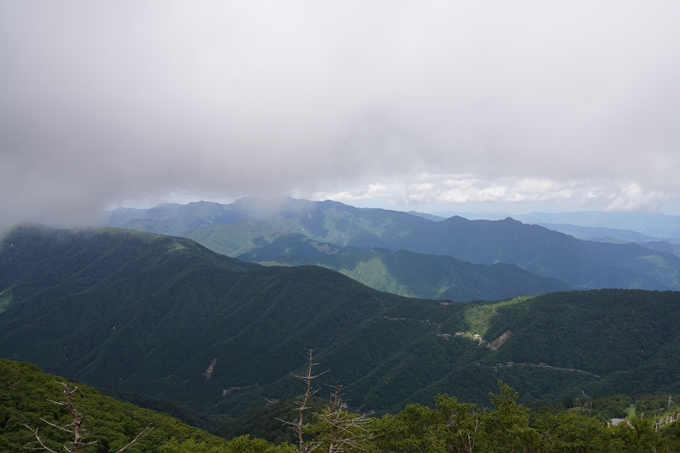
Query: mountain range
x=245, y=225
x=405, y=273
x=645, y=223
x=167, y=318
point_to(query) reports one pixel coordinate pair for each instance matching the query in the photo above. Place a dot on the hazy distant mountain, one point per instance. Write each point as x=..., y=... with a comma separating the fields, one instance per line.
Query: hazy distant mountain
x=406, y=273
x=174, y=219
x=662, y=246
x=654, y=225
x=164, y=317
x=580, y=264
x=474, y=215
x=601, y=234
x=171, y=218
x=614, y=236
x=434, y=218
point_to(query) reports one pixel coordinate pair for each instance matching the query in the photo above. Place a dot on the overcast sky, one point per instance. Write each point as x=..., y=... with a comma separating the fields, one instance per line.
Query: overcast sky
x=571, y=105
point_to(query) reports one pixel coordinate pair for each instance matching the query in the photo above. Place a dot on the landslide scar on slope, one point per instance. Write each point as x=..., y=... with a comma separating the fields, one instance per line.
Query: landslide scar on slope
x=498, y=342
x=209, y=371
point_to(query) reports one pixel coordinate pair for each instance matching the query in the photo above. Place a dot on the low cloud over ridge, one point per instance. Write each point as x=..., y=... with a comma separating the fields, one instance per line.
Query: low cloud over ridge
x=430, y=102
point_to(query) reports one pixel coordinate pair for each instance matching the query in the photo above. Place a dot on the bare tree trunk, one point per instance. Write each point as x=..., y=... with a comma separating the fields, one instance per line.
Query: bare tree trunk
x=76, y=427
x=299, y=424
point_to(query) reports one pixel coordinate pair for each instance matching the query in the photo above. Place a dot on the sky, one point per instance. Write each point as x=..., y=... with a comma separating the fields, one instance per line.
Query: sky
x=430, y=106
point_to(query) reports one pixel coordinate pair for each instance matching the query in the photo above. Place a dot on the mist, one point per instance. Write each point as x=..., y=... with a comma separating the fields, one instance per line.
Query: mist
x=109, y=103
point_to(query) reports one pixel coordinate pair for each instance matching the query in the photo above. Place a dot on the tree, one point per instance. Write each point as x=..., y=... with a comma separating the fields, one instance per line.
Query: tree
x=508, y=424
x=239, y=444
x=338, y=430
x=335, y=429
x=76, y=427
x=299, y=424
x=451, y=427
x=464, y=427
x=570, y=432
x=638, y=435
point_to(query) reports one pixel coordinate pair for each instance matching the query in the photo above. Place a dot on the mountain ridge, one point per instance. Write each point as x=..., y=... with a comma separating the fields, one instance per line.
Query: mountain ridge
x=220, y=335
x=580, y=264
x=405, y=273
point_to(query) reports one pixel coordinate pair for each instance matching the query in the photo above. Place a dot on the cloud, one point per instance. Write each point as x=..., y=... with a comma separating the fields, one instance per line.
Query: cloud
x=107, y=102
x=463, y=189
x=630, y=197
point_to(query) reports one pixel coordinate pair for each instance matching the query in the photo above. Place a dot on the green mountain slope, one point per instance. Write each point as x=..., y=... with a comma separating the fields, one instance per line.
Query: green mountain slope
x=24, y=394
x=406, y=273
x=194, y=327
x=40, y=264
x=220, y=336
x=580, y=264
x=609, y=341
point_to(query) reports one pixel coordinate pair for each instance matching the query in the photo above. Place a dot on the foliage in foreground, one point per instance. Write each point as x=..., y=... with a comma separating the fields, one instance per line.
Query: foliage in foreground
x=509, y=427
x=451, y=426
x=24, y=395
x=240, y=444
x=462, y=427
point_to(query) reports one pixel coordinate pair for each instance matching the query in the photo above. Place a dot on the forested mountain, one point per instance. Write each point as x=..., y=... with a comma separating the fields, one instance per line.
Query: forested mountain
x=405, y=273
x=25, y=392
x=178, y=321
x=167, y=318
x=234, y=229
x=28, y=397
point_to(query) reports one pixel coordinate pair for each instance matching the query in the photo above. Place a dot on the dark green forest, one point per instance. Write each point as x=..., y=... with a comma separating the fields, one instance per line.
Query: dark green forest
x=25, y=391
x=171, y=326
x=448, y=425
x=165, y=318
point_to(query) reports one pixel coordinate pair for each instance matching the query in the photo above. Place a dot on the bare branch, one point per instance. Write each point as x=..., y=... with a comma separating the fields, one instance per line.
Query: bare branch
x=298, y=425
x=302, y=406
x=346, y=431
x=35, y=433
x=70, y=431
x=145, y=432
x=78, y=431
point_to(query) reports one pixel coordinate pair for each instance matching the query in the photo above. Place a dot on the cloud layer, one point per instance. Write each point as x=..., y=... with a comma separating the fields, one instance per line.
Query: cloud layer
x=451, y=102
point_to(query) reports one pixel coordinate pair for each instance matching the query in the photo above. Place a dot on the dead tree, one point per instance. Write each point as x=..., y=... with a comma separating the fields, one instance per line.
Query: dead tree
x=76, y=427
x=299, y=424
x=335, y=429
